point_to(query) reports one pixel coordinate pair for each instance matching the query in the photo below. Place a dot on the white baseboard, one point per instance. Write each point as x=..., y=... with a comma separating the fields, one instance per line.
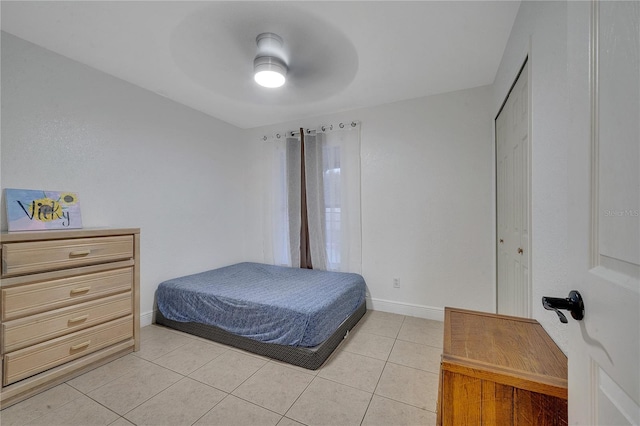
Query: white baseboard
x=420, y=311
x=146, y=318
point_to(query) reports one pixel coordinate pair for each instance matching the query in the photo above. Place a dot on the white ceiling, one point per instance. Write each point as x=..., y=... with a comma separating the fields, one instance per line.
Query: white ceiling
x=342, y=55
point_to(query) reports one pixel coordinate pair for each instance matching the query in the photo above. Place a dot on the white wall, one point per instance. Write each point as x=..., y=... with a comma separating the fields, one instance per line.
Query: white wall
x=188, y=180
x=135, y=158
x=540, y=31
x=427, y=201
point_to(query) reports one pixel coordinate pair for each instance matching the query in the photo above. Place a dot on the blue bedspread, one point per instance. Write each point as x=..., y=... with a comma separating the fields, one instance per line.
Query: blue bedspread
x=274, y=304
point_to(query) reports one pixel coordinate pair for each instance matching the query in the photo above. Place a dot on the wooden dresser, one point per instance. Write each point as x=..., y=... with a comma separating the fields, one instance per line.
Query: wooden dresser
x=69, y=302
x=500, y=370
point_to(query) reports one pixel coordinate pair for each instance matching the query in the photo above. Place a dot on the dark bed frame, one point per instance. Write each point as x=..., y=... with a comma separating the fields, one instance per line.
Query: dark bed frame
x=310, y=358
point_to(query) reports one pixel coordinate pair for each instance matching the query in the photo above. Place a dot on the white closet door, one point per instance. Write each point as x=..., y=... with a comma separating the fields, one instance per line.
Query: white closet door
x=512, y=188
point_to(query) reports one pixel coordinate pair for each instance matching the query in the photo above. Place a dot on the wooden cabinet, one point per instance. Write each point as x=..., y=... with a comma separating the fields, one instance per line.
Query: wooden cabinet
x=500, y=370
x=69, y=302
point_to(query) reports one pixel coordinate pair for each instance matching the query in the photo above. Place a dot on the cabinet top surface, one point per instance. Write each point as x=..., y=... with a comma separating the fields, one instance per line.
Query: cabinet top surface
x=503, y=342
x=8, y=237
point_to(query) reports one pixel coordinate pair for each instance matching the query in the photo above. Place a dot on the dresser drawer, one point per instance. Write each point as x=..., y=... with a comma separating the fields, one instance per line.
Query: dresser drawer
x=43, y=356
x=20, y=333
x=42, y=256
x=29, y=299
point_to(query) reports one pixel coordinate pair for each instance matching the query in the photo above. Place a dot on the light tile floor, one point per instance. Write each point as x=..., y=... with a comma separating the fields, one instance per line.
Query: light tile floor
x=384, y=373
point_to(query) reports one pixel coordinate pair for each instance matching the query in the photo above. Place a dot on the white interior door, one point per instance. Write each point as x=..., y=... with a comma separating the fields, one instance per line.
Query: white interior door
x=604, y=213
x=512, y=199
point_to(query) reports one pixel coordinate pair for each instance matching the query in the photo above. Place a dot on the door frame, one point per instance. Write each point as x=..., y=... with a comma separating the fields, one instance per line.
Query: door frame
x=528, y=293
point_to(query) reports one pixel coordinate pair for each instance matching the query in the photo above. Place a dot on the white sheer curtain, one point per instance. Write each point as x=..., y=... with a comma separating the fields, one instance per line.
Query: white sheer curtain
x=314, y=147
x=332, y=159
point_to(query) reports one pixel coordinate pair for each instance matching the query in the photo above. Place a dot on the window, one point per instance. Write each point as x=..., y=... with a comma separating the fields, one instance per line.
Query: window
x=332, y=169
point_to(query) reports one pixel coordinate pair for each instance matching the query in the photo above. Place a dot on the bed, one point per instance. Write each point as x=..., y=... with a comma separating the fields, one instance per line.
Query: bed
x=294, y=315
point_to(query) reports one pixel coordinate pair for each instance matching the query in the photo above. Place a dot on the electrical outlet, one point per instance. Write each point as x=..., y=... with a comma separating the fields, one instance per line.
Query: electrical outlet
x=396, y=283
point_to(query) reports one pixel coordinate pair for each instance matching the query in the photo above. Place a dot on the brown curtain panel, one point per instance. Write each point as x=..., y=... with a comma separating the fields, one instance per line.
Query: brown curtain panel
x=305, y=247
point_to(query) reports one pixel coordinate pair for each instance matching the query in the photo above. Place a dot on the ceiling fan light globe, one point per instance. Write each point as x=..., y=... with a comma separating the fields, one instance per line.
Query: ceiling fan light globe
x=269, y=71
x=270, y=79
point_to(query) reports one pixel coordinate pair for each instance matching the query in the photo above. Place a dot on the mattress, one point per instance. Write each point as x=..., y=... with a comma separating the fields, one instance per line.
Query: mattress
x=266, y=303
x=310, y=358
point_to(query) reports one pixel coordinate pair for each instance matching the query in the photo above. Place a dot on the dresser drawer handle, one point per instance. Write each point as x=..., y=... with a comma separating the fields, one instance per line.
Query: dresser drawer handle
x=80, y=290
x=79, y=253
x=81, y=345
x=78, y=319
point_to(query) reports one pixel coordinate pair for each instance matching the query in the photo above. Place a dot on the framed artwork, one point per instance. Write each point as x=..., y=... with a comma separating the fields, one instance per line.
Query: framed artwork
x=33, y=210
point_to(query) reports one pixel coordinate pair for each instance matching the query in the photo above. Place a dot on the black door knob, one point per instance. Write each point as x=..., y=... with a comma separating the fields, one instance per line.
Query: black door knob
x=573, y=304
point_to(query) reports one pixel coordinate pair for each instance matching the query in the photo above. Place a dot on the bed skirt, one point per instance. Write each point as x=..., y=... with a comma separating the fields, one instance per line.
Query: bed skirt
x=309, y=358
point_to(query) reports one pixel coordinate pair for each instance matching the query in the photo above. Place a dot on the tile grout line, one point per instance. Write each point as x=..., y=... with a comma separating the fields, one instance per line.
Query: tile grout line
x=187, y=375
x=104, y=384
x=297, y=398
x=227, y=394
x=380, y=377
x=153, y=396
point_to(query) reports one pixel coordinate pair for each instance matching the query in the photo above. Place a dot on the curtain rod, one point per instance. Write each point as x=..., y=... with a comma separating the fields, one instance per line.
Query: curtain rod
x=323, y=128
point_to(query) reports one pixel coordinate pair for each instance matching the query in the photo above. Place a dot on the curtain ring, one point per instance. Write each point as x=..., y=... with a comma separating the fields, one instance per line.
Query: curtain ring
x=277, y=135
x=264, y=138
x=341, y=125
x=323, y=128
x=353, y=124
